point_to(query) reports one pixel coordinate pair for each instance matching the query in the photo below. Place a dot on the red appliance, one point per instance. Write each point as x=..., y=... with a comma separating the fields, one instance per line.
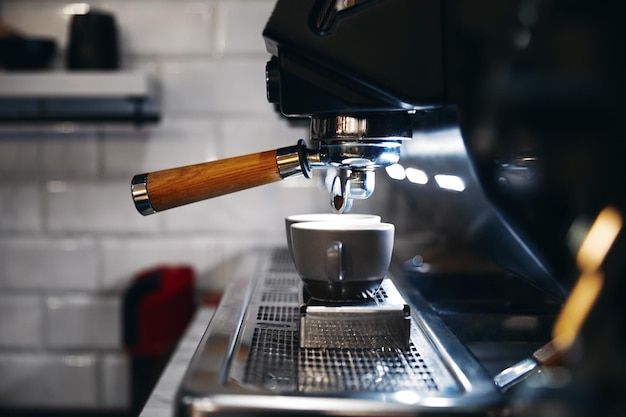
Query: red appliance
x=158, y=305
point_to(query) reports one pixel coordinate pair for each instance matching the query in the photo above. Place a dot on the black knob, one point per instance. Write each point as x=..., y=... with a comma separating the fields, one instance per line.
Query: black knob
x=272, y=81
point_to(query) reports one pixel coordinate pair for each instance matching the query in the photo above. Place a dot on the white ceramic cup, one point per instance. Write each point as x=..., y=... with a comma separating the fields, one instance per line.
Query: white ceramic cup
x=342, y=260
x=326, y=217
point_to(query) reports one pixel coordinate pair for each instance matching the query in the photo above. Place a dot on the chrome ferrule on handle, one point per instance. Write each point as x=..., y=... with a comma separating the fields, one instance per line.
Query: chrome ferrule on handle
x=139, y=191
x=292, y=161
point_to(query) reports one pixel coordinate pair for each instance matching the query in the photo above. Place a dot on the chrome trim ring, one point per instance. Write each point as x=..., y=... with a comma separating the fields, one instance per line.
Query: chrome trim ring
x=361, y=127
x=292, y=161
x=139, y=192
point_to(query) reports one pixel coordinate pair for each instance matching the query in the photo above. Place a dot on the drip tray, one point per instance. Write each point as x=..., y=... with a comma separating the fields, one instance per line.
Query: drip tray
x=266, y=349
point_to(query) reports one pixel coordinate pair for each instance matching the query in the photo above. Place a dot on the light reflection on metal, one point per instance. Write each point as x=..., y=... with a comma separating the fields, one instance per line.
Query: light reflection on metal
x=435, y=142
x=450, y=182
x=330, y=10
x=514, y=374
x=416, y=176
x=589, y=258
x=396, y=172
x=407, y=397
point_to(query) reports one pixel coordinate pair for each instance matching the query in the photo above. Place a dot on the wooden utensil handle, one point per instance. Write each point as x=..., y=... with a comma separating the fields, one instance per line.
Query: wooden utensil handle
x=548, y=355
x=162, y=190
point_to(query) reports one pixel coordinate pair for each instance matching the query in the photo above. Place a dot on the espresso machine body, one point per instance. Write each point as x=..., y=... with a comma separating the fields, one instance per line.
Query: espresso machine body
x=535, y=87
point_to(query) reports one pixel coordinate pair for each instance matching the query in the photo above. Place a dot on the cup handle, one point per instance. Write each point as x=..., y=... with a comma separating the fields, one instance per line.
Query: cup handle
x=334, y=269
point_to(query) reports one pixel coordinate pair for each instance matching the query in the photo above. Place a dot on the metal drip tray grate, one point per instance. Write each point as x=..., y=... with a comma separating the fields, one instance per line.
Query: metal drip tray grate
x=364, y=370
x=271, y=361
x=338, y=356
x=274, y=314
x=251, y=360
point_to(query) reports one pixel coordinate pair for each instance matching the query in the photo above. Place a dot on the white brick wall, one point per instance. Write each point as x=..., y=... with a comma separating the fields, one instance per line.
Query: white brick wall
x=69, y=235
x=22, y=321
x=49, y=264
x=82, y=321
x=48, y=379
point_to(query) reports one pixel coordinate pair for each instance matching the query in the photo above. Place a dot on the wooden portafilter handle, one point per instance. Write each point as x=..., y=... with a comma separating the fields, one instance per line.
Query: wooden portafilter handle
x=162, y=190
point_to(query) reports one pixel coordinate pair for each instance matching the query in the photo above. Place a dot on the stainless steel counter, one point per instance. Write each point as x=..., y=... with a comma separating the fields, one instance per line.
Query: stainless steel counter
x=162, y=400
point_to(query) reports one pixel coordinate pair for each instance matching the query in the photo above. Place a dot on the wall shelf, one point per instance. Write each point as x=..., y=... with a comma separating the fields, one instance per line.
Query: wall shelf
x=85, y=96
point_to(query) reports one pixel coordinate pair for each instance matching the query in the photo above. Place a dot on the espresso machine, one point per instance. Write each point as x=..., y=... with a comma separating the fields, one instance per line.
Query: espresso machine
x=525, y=98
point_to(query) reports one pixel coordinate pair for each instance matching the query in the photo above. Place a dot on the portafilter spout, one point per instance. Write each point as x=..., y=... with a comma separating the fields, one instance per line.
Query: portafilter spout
x=353, y=145
x=357, y=144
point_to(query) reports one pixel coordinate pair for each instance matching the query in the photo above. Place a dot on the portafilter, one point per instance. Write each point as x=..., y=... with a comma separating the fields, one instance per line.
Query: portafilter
x=352, y=144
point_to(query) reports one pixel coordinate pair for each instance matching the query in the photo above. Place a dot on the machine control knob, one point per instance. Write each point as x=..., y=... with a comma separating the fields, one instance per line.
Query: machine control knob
x=272, y=81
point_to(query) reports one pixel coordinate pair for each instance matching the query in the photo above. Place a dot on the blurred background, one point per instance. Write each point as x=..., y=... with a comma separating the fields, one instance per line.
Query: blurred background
x=71, y=241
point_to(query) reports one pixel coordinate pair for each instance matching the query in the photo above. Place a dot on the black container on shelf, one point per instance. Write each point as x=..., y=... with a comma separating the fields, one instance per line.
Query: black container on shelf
x=20, y=53
x=93, y=42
